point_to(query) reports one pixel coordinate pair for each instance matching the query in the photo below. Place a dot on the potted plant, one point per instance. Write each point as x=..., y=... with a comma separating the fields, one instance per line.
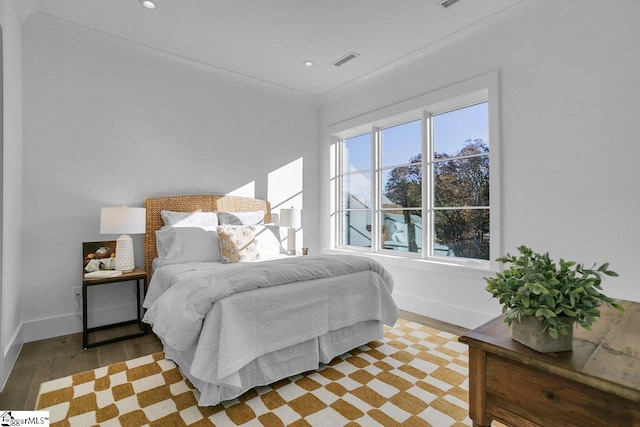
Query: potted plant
x=542, y=300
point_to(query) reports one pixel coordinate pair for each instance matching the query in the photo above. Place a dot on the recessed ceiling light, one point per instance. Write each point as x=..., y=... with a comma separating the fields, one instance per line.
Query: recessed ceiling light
x=308, y=63
x=148, y=4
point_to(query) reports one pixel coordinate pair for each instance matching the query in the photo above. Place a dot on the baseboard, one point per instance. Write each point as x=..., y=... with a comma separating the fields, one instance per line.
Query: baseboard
x=438, y=310
x=10, y=355
x=51, y=327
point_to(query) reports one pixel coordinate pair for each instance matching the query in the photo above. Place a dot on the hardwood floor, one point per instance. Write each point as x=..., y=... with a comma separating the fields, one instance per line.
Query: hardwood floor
x=433, y=323
x=45, y=360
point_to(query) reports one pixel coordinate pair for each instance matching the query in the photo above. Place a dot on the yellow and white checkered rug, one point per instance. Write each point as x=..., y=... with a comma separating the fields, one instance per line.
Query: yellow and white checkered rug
x=415, y=376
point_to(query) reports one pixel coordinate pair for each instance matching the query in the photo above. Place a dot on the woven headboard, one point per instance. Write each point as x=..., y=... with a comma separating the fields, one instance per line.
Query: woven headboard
x=192, y=203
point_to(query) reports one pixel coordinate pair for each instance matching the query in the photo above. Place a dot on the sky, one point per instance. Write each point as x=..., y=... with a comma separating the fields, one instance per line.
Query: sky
x=402, y=142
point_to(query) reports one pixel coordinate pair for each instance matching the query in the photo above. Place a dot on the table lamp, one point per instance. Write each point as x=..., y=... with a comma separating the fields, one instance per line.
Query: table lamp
x=291, y=218
x=124, y=221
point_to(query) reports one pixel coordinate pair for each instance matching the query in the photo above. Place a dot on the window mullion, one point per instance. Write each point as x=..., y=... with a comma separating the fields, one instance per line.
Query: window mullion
x=375, y=187
x=339, y=221
x=427, y=185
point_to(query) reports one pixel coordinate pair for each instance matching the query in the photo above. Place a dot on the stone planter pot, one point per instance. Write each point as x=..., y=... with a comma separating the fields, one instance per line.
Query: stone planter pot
x=529, y=332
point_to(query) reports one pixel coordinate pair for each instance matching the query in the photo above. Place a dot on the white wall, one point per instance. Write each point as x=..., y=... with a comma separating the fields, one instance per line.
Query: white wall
x=105, y=129
x=569, y=103
x=10, y=286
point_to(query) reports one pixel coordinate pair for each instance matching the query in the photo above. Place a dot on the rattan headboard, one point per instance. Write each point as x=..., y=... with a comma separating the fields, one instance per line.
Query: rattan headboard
x=192, y=203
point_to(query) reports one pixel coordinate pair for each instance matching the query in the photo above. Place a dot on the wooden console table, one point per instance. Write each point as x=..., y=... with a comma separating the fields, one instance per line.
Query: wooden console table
x=595, y=384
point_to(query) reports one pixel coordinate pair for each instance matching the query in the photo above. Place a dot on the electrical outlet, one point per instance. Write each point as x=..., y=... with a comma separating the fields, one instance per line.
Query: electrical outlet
x=77, y=293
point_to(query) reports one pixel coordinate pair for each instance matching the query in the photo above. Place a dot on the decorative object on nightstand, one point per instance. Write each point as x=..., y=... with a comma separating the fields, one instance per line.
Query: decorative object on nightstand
x=99, y=258
x=291, y=218
x=124, y=221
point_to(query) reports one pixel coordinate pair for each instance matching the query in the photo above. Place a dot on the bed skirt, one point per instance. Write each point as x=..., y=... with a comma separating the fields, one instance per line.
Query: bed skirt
x=274, y=366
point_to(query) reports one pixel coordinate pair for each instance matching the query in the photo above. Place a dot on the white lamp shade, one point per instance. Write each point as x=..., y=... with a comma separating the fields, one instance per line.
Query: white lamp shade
x=122, y=220
x=291, y=218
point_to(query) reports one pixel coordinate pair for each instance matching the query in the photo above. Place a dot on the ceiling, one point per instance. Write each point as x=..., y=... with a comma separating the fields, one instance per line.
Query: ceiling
x=268, y=40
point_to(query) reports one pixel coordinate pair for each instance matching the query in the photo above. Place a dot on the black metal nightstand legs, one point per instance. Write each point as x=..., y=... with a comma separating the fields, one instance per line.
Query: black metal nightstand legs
x=140, y=277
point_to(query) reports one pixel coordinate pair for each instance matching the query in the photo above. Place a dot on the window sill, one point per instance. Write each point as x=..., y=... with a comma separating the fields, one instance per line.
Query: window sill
x=465, y=268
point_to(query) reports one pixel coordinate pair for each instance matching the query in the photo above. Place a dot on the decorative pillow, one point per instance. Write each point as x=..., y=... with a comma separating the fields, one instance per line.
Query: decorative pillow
x=187, y=244
x=241, y=218
x=189, y=219
x=237, y=243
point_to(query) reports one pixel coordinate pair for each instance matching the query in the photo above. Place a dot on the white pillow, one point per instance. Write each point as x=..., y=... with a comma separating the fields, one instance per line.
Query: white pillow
x=241, y=218
x=188, y=244
x=189, y=219
x=268, y=240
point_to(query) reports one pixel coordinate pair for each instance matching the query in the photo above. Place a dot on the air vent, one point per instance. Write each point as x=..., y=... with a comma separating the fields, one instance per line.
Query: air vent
x=448, y=3
x=348, y=57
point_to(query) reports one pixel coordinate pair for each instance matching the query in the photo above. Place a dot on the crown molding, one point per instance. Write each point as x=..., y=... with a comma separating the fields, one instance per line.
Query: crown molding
x=24, y=9
x=418, y=58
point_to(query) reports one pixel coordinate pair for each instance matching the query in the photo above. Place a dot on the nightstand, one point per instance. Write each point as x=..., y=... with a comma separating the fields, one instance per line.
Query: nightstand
x=140, y=277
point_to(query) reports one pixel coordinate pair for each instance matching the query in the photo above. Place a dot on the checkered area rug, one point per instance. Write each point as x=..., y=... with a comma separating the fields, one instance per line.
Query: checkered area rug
x=415, y=376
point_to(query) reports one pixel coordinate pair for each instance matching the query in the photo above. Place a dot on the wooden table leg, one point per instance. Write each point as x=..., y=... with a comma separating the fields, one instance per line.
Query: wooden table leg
x=478, y=387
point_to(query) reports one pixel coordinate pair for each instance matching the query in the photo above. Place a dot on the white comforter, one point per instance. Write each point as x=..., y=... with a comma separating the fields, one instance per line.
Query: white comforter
x=265, y=307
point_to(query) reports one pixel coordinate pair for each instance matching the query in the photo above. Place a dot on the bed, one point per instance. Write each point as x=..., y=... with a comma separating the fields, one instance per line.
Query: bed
x=232, y=325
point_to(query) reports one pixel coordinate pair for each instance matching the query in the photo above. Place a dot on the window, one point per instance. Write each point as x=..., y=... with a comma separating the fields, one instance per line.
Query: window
x=383, y=203
x=461, y=182
x=356, y=179
x=401, y=187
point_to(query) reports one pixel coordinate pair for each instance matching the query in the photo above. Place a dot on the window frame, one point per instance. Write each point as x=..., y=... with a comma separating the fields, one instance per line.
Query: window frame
x=479, y=90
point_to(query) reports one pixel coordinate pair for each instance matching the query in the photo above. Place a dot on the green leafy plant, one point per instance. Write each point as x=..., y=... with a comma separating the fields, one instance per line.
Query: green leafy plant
x=534, y=285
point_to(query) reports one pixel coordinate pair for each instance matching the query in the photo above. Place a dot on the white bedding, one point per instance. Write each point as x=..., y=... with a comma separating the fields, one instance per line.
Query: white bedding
x=232, y=327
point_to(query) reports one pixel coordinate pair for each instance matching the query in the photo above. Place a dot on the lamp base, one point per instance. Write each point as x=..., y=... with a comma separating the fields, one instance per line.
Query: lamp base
x=124, y=254
x=291, y=241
